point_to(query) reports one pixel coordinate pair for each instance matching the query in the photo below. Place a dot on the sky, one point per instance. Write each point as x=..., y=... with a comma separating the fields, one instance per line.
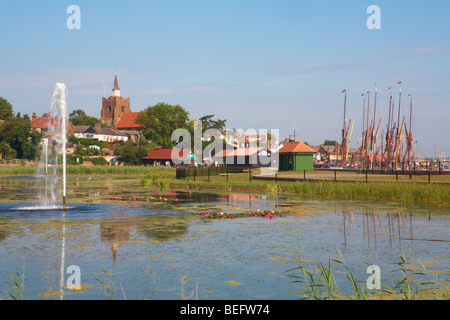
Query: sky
x=259, y=64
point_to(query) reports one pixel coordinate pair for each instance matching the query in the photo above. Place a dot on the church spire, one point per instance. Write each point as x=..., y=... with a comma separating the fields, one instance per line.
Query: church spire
x=116, y=89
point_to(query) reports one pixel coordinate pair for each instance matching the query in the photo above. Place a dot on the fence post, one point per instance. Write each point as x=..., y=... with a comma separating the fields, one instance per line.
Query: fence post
x=335, y=175
x=276, y=177
x=429, y=177
x=250, y=174
x=304, y=174
x=227, y=173
x=366, y=176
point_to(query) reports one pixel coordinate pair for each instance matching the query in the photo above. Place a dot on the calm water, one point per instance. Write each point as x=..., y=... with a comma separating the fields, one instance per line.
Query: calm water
x=166, y=250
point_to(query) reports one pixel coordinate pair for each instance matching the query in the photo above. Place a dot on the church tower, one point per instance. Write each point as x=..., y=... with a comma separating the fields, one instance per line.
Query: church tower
x=114, y=106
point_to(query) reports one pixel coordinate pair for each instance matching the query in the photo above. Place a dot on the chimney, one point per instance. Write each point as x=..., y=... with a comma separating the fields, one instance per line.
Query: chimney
x=34, y=116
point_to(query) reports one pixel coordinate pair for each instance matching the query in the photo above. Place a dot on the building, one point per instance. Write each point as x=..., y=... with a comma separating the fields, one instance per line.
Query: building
x=250, y=157
x=85, y=132
x=109, y=135
x=99, y=134
x=164, y=157
x=296, y=156
x=127, y=124
x=45, y=124
x=114, y=107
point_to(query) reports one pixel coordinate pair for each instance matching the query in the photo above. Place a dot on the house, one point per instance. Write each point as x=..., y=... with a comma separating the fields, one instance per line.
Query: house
x=46, y=124
x=296, y=156
x=109, y=135
x=99, y=134
x=164, y=156
x=253, y=157
x=86, y=132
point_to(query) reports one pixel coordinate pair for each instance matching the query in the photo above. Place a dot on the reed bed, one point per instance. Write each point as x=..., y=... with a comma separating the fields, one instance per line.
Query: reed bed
x=319, y=281
x=388, y=191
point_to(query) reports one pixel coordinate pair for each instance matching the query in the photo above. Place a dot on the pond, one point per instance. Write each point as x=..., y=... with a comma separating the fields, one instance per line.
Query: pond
x=134, y=242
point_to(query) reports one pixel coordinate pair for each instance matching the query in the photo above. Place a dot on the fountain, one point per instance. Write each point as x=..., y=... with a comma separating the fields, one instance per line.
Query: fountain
x=53, y=151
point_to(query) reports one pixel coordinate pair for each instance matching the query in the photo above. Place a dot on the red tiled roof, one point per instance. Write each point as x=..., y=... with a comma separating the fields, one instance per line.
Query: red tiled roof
x=158, y=154
x=128, y=120
x=44, y=122
x=296, y=147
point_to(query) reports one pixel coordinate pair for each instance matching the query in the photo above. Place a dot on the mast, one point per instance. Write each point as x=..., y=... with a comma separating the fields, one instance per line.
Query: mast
x=344, y=147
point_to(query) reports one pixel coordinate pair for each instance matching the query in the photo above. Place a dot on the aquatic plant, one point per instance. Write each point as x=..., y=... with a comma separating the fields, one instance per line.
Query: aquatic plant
x=105, y=282
x=269, y=214
x=17, y=285
x=319, y=282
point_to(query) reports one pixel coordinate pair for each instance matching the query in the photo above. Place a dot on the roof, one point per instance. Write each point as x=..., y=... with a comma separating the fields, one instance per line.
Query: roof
x=158, y=154
x=109, y=132
x=44, y=122
x=116, y=83
x=81, y=128
x=128, y=120
x=296, y=147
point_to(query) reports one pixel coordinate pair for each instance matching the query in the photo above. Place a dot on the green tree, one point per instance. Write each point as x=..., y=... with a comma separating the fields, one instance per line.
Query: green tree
x=209, y=123
x=329, y=142
x=129, y=151
x=16, y=131
x=6, y=151
x=158, y=122
x=80, y=118
x=6, y=109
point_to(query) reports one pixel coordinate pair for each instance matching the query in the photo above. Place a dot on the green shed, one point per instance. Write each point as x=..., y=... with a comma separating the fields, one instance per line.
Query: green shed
x=296, y=156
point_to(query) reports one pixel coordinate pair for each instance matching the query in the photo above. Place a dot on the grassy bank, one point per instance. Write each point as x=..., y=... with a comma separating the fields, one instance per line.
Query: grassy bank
x=96, y=170
x=388, y=191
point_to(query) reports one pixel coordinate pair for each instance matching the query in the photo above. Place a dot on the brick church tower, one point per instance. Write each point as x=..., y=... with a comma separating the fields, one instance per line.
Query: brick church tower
x=114, y=106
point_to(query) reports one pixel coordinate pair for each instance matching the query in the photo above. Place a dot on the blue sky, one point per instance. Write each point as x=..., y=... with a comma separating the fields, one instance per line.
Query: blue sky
x=259, y=64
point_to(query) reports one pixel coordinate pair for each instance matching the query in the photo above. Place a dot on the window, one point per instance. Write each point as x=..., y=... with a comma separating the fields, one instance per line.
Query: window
x=123, y=109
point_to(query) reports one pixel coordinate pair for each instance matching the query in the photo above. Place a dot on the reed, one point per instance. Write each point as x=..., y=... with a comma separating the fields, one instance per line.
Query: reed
x=319, y=282
x=17, y=285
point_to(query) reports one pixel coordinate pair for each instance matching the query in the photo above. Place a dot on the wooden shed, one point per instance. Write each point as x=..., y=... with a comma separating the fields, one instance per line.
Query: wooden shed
x=296, y=156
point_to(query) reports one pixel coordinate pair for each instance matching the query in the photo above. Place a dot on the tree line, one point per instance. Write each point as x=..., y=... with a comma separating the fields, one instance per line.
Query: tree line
x=19, y=141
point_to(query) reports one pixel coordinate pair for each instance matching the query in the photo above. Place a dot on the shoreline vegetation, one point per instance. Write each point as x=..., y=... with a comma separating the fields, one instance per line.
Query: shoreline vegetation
x=164, y=177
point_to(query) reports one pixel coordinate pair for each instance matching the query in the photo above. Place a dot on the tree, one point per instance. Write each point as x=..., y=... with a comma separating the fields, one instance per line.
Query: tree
x=6, y=109
x=6, y=151
x=80, y=118
x=209, y=123
x=329, y=142
x=129, y=151
x=158, y=122
x=16, y=132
